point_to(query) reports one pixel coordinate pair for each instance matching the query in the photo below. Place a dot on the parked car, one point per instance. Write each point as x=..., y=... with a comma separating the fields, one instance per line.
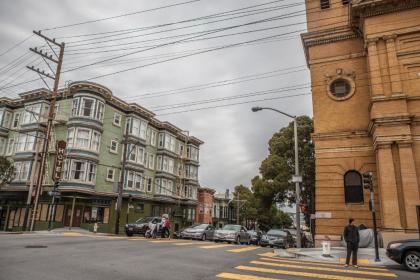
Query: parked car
x=255, y=236
x=406, y=252
x=232, y=233
x=140, y=226
x=277, y=238
x=198, y=231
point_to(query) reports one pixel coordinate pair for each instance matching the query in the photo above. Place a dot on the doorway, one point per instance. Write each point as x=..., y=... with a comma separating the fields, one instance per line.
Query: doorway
x=77, y=216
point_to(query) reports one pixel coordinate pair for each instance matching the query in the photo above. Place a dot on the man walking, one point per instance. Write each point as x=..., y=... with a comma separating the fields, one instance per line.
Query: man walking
x=351, y=236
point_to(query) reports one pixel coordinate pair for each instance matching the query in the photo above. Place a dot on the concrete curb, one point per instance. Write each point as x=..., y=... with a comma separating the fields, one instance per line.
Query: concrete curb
x=365, y=257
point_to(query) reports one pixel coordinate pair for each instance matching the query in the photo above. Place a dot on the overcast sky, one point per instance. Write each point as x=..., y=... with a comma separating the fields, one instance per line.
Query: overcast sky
x=235, y=138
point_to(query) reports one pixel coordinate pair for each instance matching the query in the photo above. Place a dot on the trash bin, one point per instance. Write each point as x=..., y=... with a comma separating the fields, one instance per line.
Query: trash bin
x=326, y=248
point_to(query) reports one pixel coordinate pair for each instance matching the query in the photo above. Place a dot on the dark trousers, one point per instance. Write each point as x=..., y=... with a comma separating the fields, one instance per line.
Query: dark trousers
x=165, y=232
x=352, y=250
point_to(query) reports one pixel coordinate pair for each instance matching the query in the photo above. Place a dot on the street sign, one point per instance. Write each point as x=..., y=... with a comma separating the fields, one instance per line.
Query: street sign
x=323, y=215
x=297, y=179
x=59, y=160
x=54, y=193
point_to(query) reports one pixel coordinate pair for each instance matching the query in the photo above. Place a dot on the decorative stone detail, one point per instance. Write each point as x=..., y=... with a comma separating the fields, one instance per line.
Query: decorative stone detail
x=340, y=75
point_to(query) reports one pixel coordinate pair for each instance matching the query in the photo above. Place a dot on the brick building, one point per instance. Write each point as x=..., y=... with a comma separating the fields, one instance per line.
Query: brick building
x=364, y=60
x=205, y=206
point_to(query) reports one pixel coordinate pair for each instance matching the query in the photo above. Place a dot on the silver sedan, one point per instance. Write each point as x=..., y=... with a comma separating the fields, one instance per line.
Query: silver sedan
x=200, y=231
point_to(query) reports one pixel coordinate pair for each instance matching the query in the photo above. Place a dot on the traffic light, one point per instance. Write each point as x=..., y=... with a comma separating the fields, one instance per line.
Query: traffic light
x=367, y=180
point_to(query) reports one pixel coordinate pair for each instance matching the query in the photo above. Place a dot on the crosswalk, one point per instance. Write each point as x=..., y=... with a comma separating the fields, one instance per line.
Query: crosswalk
x=268, y=266
x=206, y=245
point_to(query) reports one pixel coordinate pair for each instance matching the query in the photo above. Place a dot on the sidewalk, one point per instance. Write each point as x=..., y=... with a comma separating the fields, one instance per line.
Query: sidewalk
x=366, y=256
x=62, y=231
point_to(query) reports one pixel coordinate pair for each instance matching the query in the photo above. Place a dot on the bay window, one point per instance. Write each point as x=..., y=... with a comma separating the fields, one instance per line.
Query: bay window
x=88, y=107
x=192, y=153
x=25, y=143
x=16, y=119
x=79, y=171
x=91, y=173
x=151, y=163
x=153, y=138
x=32, y=113
x=3, y=144
x=83, y=138
x=137, y=127
x=96, y=141
x=5, y=118
x=10, y=146
x=135, y=181
x=136, y=154
x=22, y=169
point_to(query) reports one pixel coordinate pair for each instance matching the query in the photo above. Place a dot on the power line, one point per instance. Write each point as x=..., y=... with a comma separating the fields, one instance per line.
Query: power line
x=119, y=16
x=168, y=24
x=16, y=45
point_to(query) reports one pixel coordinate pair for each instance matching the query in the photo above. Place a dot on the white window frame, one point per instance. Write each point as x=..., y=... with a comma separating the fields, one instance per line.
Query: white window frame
x=151, y=161
x=3, y=145
x=118, y=117
x=99, y=110
x=153, y=137
x=16, y=117
x=11, y=146
x=108, y=173
x=95, y=144
x=114, y=151
x=149, y=186
x=82, y=107
x=82, y=170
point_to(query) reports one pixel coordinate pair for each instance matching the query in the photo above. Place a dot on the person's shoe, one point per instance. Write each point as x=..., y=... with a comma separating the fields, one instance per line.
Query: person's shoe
x=355, y=266
x=346, y=265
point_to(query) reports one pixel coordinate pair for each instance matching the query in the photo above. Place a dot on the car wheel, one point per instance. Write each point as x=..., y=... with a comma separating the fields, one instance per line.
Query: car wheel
x=412, y=261
x=129, y=234
x=238, y=240
x=262, y=245
x=271, y=246
x=203, y=238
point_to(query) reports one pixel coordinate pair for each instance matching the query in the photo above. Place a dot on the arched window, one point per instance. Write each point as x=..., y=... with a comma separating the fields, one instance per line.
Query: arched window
x=353, y=187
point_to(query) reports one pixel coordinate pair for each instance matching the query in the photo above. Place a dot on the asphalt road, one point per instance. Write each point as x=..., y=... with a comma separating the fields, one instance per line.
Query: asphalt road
x=76, y=256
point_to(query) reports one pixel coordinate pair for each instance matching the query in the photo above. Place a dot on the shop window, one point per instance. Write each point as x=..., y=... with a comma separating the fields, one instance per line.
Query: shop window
x=353, y=188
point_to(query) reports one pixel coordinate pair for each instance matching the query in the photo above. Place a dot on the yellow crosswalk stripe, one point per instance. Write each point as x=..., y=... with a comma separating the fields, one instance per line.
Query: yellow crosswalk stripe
x=319, y=264
x=354, y=271
x=166, y=241
x=188, y=243
x=137, y=238
x=240, y=250
x=242, y=276
x=268, y=254
x=216, y=246
x=299, y=273
x=72, y=234
x=359, y=261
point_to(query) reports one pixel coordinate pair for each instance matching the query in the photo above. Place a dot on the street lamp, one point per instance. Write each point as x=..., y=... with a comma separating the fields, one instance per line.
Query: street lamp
x=296, y=178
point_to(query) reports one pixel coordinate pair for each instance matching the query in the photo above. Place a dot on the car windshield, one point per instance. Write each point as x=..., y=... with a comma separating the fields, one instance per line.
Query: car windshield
x=277, y=232
x=144, y=220
x=232, y=227
x=202, y=226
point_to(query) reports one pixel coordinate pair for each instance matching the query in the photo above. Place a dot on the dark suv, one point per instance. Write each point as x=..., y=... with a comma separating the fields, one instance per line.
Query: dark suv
x=140, y=226
x=406, y=252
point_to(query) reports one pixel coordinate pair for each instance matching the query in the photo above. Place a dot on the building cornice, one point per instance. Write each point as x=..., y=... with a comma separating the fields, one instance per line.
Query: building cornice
x=107, y=95
x=339, y=135
x=361, y=9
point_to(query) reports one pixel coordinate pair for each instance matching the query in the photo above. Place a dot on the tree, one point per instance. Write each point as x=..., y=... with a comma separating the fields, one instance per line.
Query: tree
x=6, y=171
x=274, y=185
x=247, y=203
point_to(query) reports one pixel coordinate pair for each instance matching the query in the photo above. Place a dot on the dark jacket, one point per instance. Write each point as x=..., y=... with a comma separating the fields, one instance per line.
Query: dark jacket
x=351, y=234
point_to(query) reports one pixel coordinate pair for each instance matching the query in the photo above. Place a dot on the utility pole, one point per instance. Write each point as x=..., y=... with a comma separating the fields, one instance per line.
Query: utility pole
x=51, y=113
x=237, y=209
x=368, y=184
x=121, y=184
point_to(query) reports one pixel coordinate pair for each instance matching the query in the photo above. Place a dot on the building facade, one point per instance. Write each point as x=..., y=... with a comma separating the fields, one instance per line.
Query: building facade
x=161, y=174
x=364, y=60
x=205, y=206
x=223, y=212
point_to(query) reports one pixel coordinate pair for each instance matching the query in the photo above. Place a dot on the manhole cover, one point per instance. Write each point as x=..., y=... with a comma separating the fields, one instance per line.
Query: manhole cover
x=36, y=246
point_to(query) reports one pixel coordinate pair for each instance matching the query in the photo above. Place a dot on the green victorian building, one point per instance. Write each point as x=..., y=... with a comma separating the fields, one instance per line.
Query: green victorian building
x=161, y=163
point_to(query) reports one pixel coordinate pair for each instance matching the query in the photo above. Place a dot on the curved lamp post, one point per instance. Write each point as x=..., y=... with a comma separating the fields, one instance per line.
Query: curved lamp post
x=296, y=178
